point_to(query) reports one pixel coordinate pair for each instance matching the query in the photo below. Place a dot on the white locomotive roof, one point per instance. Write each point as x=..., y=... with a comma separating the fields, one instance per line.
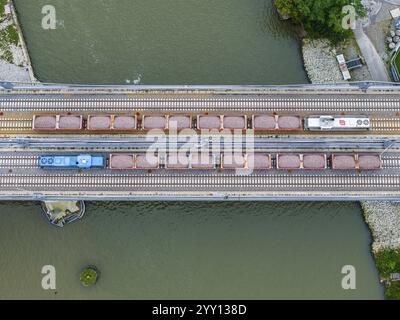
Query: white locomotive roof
x=338, y=122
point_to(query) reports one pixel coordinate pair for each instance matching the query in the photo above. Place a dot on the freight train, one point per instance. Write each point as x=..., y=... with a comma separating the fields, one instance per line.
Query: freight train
x=205, y=161
x=258, y=122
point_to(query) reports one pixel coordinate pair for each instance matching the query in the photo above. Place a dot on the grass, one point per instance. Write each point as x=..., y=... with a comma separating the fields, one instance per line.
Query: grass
x=388, y=262
x=8, y=36
x=397, y=62
x=89, y=276
x=7, y=56
x=2, y=4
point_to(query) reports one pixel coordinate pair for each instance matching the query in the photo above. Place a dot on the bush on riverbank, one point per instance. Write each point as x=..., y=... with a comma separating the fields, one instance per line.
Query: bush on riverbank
x=2, y=4
x=320, y=18
x=397, y=61
x=388, y=262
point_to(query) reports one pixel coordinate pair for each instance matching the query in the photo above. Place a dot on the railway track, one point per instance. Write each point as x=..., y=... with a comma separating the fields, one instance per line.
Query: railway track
x=385, y=124
x=24, y=162
x=15, y=124
x=31, y=162
x=126, y=182
x=241, y=104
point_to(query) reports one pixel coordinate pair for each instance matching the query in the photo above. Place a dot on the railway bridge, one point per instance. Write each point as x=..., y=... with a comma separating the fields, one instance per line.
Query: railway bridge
x=21, y=145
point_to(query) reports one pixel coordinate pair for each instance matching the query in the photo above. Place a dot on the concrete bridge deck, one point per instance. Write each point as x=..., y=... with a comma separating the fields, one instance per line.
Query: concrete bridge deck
x=20, y=178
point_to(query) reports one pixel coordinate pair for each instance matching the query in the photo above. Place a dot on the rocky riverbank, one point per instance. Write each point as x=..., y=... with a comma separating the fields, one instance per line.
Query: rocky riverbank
x=384, y=221
x=320, y=61
x=14, y=61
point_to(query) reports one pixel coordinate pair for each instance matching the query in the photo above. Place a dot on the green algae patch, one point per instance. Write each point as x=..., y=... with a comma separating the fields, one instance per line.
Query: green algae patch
x=388, y=263
x=89, y=276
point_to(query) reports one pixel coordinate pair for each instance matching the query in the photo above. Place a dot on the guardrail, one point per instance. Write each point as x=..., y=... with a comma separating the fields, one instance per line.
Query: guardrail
x=21, y=87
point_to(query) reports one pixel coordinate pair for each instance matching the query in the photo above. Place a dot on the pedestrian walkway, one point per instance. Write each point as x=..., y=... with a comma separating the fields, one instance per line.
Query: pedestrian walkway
x=373, y=60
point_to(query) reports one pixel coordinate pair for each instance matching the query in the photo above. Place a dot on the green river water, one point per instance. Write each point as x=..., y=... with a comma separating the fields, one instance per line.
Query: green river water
x=179, y=250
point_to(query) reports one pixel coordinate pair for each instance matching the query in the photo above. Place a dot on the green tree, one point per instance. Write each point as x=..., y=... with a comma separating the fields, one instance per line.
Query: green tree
x=320, y=18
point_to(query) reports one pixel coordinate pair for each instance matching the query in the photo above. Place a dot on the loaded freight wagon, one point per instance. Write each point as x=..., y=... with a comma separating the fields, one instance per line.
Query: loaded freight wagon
x=356, y=161
x=301, y=161
x=112, y=122
x=57, y=122
x=140, y=161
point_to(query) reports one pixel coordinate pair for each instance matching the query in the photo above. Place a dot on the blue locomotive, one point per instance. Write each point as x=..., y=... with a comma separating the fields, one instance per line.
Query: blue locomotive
x=81, y=161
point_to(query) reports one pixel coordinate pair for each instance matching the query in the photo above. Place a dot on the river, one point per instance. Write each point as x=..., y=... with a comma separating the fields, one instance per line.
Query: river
x=170, y=249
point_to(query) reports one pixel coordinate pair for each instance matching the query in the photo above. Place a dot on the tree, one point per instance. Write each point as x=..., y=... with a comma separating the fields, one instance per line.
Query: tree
x=320, y=18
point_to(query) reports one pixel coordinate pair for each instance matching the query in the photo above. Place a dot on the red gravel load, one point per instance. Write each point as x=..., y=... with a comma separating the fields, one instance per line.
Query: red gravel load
x=369, y=161
x=259, y=161
x=153, y=122
x=264, y=122
x=288, y=161
x=147, y=161
x=177, y=161
x=70, y=122
x=125, y=123
x=202, y=161
x=208, y=122
x=235, y=122
x=289, y=122
x=44, y=122
x=233, y=161
x=314, y=161
x=179, y=122
x=121, y=161
x=99, y=122
x=344, y=162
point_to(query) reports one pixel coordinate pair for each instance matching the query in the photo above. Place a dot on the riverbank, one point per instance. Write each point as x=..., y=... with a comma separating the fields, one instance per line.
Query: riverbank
x=383, y=219
x=321, y=65
x=15, y=64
